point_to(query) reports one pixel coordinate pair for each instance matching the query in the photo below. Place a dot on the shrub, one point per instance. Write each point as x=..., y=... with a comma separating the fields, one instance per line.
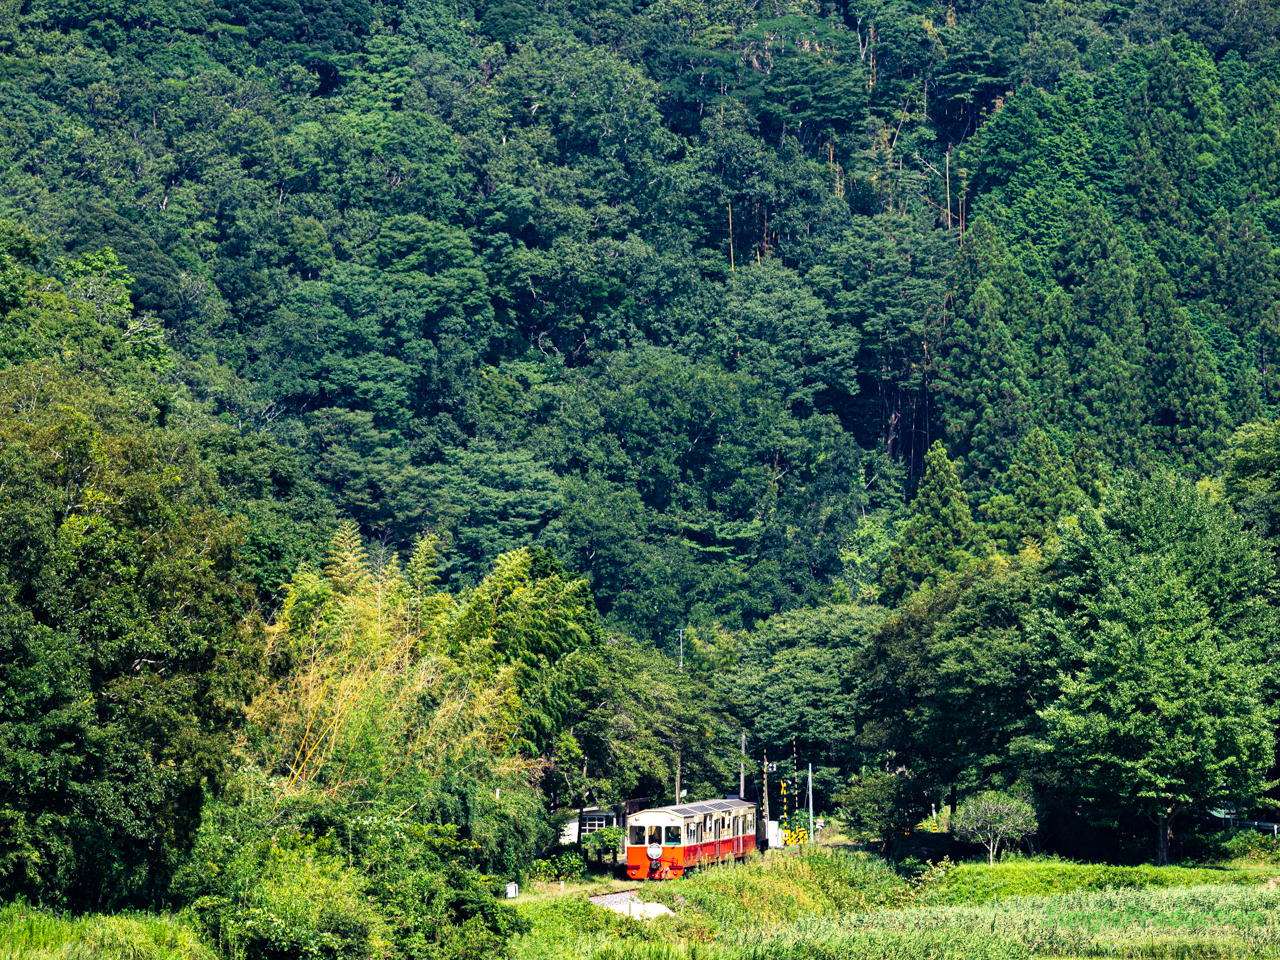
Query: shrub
x=1253, y=847
x=563, y=866
x=603, y=841
x=312, y=875
x=993, y=817
x=301, y=902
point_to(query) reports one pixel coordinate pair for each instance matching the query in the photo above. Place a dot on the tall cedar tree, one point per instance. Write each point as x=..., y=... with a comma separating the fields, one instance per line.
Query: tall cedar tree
x=939, y=536
x=1187, y=410
x=1038, y=488
x=986, y=406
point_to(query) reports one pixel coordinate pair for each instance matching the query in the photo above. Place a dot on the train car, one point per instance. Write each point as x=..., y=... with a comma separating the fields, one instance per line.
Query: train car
x=664, y=842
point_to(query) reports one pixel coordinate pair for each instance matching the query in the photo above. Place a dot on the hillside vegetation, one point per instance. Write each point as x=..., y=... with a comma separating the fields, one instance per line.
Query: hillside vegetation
x=832, y=904
x=422, y=420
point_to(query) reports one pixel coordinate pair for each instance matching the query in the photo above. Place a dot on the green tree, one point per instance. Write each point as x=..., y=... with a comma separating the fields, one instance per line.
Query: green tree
x=123, y=662
x=881, y=806
x=1186, y=407
x=993, y=817
x=1038, y=487
x=939, y=536
x=1251, y=476
x=795, y=686
x=951, y=681
x=1165, y=624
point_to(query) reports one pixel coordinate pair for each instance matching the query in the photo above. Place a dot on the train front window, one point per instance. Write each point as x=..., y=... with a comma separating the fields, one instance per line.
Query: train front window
x=673, y=836
x=637, y=836
x=655, y=835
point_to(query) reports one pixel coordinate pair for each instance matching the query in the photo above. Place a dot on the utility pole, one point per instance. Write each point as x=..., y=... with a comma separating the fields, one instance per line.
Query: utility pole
x=764, y=768
x=677, y=775
x=681, y=632
x=742, y=769
x=811, y=803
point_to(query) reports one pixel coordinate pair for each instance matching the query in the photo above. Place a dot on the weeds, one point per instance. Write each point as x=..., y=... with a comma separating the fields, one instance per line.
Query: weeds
x=828, y=905
x=29, y=934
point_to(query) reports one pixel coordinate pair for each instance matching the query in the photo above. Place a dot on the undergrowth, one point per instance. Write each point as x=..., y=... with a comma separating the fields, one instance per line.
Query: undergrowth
x=30, y=934
x=824, y=905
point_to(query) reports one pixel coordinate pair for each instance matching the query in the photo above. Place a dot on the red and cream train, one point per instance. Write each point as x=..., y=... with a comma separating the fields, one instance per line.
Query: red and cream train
x=664, y=842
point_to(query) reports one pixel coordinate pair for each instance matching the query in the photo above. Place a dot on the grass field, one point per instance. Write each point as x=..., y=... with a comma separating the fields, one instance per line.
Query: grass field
x=820, y=905
x=826, y=905
x=28, y=934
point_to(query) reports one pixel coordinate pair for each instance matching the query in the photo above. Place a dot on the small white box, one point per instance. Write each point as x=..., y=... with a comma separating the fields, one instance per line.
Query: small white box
x=513, y=890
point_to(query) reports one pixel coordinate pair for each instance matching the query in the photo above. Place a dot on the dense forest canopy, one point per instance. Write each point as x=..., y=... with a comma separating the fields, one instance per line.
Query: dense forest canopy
x=384, y=385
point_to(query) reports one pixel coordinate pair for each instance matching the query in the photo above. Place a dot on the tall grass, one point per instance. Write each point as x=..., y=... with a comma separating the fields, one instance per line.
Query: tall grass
x=1189, y=922
x=828, y=905
x=975, y=883
x=781, y=889
x=29, y=934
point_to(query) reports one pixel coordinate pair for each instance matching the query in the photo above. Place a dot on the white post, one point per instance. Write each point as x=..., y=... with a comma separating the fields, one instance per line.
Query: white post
x=811, y=803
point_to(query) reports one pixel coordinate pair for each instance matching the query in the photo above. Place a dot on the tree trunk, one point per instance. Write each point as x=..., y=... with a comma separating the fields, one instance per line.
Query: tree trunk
x=1162, y=842
x=991, y=855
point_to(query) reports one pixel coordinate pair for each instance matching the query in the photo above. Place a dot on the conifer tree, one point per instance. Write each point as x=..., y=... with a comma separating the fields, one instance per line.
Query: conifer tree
x=1054, y=391
x=1186, y=401
x=984, y=385
x=1038, y=487
x=1104, y=349
x=1091, y=471
x=939, y=536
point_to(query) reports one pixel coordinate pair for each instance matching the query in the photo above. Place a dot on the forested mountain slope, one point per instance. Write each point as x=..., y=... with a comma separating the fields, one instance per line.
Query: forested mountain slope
x=473, y=266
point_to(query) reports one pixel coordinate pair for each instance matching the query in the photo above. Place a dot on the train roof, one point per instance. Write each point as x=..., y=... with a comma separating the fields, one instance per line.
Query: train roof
x=700, y=809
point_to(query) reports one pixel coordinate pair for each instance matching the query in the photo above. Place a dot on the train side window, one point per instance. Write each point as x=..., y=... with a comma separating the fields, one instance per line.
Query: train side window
x=673, y=837
x=692, y=832
x=637, y=836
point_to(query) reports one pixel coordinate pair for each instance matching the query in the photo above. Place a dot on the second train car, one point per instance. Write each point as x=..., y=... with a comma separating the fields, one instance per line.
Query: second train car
x=664, y=842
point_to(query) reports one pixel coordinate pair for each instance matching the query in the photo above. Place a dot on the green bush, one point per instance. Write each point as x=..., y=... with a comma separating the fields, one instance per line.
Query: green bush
x=1252, y=847
x=602, y=842
x=563, y=866
x=301, y=901
x=781, y=888
x=312, y=878
x=563, y=926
